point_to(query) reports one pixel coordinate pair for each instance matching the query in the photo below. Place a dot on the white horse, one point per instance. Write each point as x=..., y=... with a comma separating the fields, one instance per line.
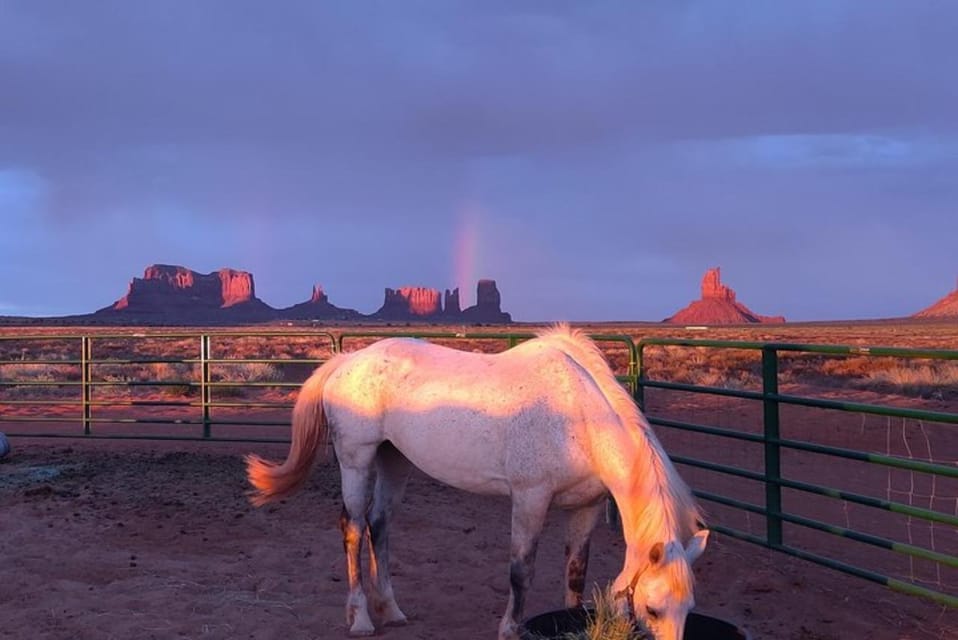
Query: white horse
x=545, y=423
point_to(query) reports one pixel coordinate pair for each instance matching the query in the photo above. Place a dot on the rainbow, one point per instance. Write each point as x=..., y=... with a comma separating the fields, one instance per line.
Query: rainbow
x=464, y=253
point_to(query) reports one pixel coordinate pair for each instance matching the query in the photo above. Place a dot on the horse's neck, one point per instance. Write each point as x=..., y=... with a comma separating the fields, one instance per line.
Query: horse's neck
x=645, y=488
x=648, y=516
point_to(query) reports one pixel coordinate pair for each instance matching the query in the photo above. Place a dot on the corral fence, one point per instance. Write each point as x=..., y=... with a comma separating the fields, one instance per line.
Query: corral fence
x=783, y=456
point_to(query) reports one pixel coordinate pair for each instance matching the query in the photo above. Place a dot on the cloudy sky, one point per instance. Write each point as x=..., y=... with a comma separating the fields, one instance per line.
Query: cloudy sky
x=594, y=158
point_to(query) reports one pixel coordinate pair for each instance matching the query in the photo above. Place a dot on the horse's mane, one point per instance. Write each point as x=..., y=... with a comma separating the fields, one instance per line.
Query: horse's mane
x=680, y=513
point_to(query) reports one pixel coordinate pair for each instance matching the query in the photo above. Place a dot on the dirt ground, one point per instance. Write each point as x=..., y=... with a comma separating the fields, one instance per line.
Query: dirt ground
x=108, y=539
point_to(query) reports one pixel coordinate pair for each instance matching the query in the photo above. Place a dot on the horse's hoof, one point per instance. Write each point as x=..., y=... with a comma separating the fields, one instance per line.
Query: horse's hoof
x=389, y=614
x=397, y=622
x=359, y=622
x=361, y=631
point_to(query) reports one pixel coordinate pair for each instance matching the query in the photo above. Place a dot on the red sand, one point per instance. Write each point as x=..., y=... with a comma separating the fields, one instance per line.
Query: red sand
x=156, y=540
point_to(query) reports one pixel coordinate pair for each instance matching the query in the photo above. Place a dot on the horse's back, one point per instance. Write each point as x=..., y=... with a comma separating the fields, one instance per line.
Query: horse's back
x=481, y=422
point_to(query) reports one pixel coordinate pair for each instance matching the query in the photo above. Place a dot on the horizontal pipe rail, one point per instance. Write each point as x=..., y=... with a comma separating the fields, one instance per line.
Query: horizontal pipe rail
x=829, y=349
x=838, y=452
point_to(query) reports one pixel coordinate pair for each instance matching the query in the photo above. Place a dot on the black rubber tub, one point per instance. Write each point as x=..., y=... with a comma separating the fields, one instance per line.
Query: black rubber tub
x=554, y=624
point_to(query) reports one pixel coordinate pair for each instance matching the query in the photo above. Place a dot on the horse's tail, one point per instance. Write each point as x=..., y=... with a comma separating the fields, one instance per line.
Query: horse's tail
x=272, y=481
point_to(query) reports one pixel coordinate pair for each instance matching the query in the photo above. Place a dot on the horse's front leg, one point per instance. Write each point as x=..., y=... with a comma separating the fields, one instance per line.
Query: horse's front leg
x=528, y=516
x=580, y=526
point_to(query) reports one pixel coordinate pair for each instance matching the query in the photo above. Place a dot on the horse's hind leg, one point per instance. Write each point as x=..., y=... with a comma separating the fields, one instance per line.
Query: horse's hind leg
x=528, y=515
x=392, y=472
x=356, y=486
x=579, y=531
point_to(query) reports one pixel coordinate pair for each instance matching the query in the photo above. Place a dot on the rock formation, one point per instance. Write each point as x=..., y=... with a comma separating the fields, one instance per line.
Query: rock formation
x=171, y=289
x=318, y=296
x=718, y=306
x=318, y=307
x=170, y=294
x=236, y=287
x=420, y=303
x=450, y=304
x=947, y=307
x=488, y=305
x=713, y=289
x=410, y=303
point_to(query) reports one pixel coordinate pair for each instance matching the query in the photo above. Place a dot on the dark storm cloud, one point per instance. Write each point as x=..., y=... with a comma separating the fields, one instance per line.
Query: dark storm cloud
x=615, y=149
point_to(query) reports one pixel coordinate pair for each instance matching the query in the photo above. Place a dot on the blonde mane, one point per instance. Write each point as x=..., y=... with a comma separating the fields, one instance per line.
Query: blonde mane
x=676, y=509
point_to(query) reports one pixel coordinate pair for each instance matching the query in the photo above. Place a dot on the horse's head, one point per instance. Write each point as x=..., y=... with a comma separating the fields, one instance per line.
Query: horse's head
x=662, y=592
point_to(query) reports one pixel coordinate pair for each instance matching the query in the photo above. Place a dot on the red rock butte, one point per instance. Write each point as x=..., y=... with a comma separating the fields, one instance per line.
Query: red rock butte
x=172, y=286
x=421, y=303
x=174, y=294
x=718, y=305
x=947, y=307
x=415, y=301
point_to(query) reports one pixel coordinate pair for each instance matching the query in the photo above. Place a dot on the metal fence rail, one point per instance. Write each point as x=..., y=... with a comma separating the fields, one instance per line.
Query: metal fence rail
x=76, y=381
x=78, y=359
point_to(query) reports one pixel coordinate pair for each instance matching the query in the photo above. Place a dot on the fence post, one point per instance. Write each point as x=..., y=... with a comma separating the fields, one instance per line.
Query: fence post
x=639, y=391
x=205, y=395
x=86, y=395
x=773, y=461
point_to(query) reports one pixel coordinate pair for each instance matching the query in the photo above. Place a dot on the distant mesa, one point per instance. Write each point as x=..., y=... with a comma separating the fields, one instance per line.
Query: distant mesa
x=175, y=294
x=420, y=303
x=947, y=307
x=719, y=306
x=178, y=291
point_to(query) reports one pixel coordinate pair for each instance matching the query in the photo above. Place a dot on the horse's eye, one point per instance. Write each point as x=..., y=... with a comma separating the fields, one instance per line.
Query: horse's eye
x=652, y=613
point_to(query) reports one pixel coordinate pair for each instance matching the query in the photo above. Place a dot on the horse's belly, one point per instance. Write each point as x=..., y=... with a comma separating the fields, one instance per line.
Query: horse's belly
x=464, y=459
x=464, y=476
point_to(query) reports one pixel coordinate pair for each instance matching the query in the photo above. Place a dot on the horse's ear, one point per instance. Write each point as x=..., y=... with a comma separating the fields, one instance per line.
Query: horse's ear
x=696, y=545
x=656, y=553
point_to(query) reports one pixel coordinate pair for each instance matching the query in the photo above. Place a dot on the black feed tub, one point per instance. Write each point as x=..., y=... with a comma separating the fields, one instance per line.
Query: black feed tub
x=554, y=624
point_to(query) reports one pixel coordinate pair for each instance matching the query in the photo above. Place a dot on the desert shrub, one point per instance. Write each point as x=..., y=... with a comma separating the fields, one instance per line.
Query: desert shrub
x=851, y=367
x=936, y=379
x=16, y=372
x=119, y=373
x=44, y=380
x=173, y=372
x=246, y=372
x=720, y=368
x=900, y=376
x=238, y=374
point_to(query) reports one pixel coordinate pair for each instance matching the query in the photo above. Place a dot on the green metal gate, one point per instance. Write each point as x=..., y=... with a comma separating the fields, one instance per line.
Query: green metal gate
x=770, y=439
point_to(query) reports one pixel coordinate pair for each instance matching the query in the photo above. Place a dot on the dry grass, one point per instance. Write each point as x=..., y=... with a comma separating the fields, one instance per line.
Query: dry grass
x=605, y=623
x=724, y=368
x=938, y=379
x=245, y=372
x=16, y=372
x=42, y=381
x=236, y=378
